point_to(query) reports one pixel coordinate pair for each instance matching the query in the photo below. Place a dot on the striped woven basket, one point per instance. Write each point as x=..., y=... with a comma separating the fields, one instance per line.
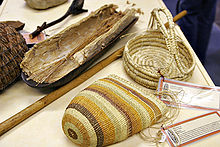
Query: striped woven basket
x=110, y=110
x=158, y=52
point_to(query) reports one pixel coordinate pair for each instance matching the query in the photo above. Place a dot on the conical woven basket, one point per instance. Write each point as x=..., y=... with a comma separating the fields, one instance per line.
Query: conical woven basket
x=158, y=52
x=12, y=49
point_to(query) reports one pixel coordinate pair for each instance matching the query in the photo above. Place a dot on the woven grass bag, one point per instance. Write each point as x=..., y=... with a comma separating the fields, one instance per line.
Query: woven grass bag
x=110, y=110
x=12, y=49
x=158, y=52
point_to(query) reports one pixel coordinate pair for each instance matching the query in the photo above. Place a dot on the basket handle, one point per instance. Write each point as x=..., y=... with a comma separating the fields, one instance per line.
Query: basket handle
x=157, y=23
x=169, y=34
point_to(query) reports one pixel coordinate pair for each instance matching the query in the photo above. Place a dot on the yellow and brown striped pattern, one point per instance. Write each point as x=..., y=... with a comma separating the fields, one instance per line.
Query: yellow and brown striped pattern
x=110, y=110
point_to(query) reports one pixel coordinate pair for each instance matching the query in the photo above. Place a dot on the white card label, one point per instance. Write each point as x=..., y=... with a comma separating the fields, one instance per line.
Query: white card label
x=191, y=95
x=191, y=130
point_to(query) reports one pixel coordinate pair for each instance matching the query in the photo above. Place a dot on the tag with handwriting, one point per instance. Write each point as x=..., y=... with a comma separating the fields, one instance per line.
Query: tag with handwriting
x=191, y=130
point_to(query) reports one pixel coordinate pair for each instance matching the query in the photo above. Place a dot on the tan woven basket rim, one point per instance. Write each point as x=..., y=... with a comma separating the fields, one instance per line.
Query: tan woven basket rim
x=179, y=64
x=126, y=50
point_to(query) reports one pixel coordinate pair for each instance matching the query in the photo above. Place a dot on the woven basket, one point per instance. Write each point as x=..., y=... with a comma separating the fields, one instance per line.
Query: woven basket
x=12, y=49
x=110, y=110
x=158, y=52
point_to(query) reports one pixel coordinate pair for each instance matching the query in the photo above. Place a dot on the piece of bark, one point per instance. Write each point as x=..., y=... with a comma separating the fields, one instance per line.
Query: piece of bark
x=68, y=53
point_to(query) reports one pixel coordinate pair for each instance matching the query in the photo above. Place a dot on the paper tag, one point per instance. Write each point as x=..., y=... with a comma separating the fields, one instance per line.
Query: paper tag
x=35, y=40
x=191, y=130
x=191, y=95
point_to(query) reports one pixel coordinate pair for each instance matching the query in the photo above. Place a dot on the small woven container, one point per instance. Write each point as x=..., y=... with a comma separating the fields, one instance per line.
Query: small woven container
x=158, y=52
x=12, y=49
x=110, y=110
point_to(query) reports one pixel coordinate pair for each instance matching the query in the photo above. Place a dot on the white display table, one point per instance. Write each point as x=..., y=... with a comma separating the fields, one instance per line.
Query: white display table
x=44, y=128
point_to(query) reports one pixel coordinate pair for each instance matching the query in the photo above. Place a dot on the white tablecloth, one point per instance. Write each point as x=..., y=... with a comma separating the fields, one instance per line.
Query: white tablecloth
x=44, y=127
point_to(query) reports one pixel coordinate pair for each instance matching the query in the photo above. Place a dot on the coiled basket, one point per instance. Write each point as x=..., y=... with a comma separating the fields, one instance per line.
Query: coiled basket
x=158, y=52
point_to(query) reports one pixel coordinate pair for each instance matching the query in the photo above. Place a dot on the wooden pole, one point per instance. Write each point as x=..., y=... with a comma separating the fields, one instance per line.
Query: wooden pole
x=46, y=100
x=177, y=17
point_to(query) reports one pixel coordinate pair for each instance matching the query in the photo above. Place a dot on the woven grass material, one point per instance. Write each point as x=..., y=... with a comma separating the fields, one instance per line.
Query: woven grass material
x=110, y=110
x=12, y=49
x=158, y=52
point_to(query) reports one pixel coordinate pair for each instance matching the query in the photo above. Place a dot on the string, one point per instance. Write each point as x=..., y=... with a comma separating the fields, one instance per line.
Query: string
x=171, y=115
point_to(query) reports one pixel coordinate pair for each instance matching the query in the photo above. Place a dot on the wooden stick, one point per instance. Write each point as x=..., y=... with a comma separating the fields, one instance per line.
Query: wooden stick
x=177, y=17
x=46, y=100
